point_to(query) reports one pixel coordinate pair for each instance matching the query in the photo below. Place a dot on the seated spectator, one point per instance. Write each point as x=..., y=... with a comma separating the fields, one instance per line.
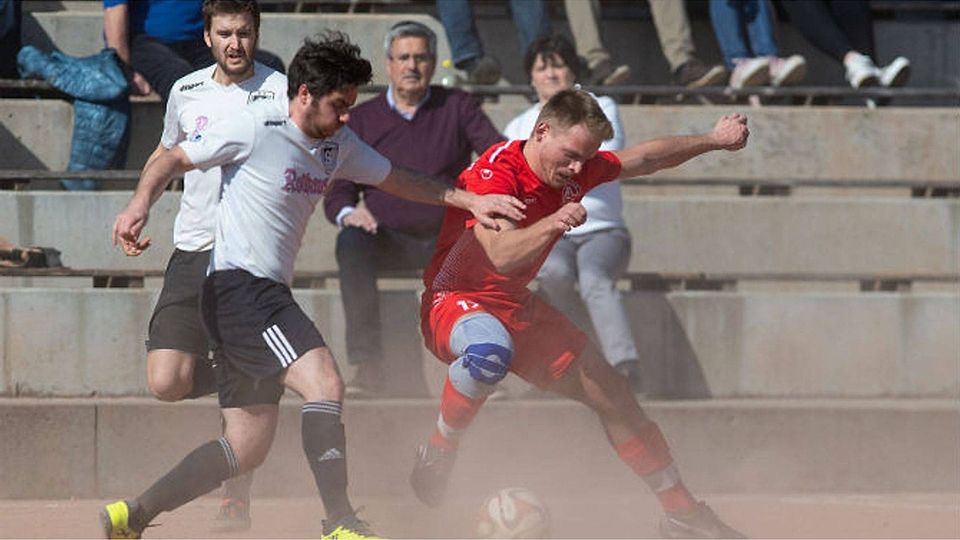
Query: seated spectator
x=594, y=255
x=529, y=17
x=601, y=70
x=430, y=129
x=744, y=30
x=160, y=41
x=844, y=30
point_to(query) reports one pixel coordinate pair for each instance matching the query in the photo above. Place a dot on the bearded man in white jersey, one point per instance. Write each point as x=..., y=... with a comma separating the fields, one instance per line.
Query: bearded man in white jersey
x=275, y=170
x=177, y=349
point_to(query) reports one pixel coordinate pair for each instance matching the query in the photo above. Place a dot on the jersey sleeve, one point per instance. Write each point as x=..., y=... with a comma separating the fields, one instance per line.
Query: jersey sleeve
x=484, y=178
x=172, y=134
x=224, y=139
x=361, y=163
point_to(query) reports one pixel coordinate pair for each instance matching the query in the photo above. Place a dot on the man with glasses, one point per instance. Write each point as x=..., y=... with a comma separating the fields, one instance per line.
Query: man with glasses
x=429, y=129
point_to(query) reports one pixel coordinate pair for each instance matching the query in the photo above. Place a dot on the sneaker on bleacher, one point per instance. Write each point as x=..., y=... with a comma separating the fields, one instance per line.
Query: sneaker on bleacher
x=896, y=73
x=861, y=71
x=750, y=72
x=786, y=71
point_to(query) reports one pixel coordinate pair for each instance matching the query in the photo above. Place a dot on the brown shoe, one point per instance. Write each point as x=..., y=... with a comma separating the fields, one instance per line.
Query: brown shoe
x=694, y=74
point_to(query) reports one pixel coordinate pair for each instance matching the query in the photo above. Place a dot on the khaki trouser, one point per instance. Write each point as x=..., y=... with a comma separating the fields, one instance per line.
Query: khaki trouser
x=669, y=19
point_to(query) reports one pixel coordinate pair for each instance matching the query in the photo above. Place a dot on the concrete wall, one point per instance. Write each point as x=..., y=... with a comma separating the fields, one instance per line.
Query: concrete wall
x=82, y=342
x=786, y=142
x=670, y=233
x=112, y=448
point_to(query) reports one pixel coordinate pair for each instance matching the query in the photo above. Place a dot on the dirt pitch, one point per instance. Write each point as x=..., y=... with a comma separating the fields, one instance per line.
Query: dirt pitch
x=767, y=516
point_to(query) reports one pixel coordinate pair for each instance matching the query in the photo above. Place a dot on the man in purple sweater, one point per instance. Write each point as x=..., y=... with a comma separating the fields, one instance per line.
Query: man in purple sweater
x=430, y=129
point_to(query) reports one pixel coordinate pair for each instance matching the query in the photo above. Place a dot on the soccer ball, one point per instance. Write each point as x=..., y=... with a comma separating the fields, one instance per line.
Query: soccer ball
x=513, y=513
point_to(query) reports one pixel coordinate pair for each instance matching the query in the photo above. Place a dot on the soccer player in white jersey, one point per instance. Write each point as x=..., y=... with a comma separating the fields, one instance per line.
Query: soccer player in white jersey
x=275, y=169
x=177, y=350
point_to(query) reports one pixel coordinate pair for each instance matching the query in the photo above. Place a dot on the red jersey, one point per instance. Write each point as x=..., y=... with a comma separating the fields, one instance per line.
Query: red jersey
x=459, y=262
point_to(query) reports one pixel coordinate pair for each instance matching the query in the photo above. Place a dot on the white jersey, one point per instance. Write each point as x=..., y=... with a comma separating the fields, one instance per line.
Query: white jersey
x=273, y=177
x=194, y=100
x=604, y=203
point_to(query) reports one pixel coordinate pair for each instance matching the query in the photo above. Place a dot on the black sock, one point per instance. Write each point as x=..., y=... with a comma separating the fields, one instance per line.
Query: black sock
x=204, y=379
x=324, y=443
x=200, y=472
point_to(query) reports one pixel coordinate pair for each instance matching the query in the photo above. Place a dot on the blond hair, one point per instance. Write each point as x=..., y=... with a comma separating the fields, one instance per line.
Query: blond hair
x=568, y=108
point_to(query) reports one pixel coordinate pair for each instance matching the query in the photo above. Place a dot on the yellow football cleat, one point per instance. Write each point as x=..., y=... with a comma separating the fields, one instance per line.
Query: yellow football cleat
x=348, y=527
x=115, y=518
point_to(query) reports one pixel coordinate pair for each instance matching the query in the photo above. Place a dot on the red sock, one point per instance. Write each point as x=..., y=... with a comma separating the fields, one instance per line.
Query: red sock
x=457, y=412
x=649, y=456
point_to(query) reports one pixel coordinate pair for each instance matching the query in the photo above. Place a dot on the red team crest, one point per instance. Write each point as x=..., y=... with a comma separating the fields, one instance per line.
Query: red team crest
x=572, y=191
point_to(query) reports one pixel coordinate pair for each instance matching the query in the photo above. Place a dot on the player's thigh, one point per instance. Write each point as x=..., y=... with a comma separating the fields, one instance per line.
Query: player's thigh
x=315, y=376
x=250, y=430
x=591, y=380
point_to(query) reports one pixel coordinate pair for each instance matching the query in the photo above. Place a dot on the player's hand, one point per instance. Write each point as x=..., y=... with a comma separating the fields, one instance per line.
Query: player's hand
x=569, y=216
x=126, y=231
x=360, y=218
x=730, y=132
x=487, y=208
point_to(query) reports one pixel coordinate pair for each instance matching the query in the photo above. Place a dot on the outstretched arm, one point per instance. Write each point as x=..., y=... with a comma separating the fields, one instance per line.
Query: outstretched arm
x=486, y=208
x=730, y=133
x=161, y=168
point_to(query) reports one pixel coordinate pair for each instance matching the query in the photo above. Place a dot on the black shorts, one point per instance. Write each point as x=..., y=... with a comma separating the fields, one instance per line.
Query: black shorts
x=175, y=323
x=256, y=331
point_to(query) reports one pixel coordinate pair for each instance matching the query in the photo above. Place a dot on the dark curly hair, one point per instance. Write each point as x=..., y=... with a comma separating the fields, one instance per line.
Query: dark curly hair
x=327, y=63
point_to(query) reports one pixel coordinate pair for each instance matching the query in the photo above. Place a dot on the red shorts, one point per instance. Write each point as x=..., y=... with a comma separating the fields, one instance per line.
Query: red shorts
x=545, y=342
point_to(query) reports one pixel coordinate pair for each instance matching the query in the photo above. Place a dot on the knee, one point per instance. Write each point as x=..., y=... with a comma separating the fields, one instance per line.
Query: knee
x=594, y=284
x=353, y=244
x=169, y=382
x=482, y=366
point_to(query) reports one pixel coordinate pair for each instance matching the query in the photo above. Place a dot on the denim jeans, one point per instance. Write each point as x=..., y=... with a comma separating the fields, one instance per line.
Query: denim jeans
x=529, y=17
x=744, y=29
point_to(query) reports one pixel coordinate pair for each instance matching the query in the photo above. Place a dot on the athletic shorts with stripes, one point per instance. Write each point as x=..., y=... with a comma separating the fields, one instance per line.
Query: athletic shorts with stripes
x=257, y=331
x=545, y=341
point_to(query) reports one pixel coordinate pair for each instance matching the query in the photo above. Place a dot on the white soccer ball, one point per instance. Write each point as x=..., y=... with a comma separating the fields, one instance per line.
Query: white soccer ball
x=513, y=513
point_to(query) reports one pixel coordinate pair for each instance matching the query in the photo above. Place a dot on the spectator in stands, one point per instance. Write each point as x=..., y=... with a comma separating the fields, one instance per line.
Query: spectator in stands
x=844, y=30
x=9, y=38
x=530, y=18
x=673, y=31
x=594, y=255
x=429, y=129
x=582, y=17
x=744, y=30
x=160, y=41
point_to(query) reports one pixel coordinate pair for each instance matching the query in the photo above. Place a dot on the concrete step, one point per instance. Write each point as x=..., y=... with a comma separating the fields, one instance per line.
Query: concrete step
x=696, y=344
x=712, y=234
x=113, y=448
x=824, y=143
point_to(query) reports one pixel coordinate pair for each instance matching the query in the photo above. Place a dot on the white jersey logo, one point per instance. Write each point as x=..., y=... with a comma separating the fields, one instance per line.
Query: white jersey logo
x=572, y=192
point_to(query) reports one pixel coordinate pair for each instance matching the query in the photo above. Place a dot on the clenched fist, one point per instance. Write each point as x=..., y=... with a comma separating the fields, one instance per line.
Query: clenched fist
x=569, y=216
x=730, y=132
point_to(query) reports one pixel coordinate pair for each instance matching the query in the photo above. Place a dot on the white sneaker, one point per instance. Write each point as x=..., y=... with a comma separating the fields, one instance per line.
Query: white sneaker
x=896, y=73
x=750, y=72
x=861, y=71
x=784, y=71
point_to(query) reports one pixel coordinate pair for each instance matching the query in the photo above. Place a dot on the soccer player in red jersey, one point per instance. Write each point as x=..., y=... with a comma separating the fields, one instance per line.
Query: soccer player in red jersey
x=479, y=317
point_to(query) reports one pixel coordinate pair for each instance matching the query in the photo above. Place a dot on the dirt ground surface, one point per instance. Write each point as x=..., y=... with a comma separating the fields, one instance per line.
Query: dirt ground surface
x=909, y=515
